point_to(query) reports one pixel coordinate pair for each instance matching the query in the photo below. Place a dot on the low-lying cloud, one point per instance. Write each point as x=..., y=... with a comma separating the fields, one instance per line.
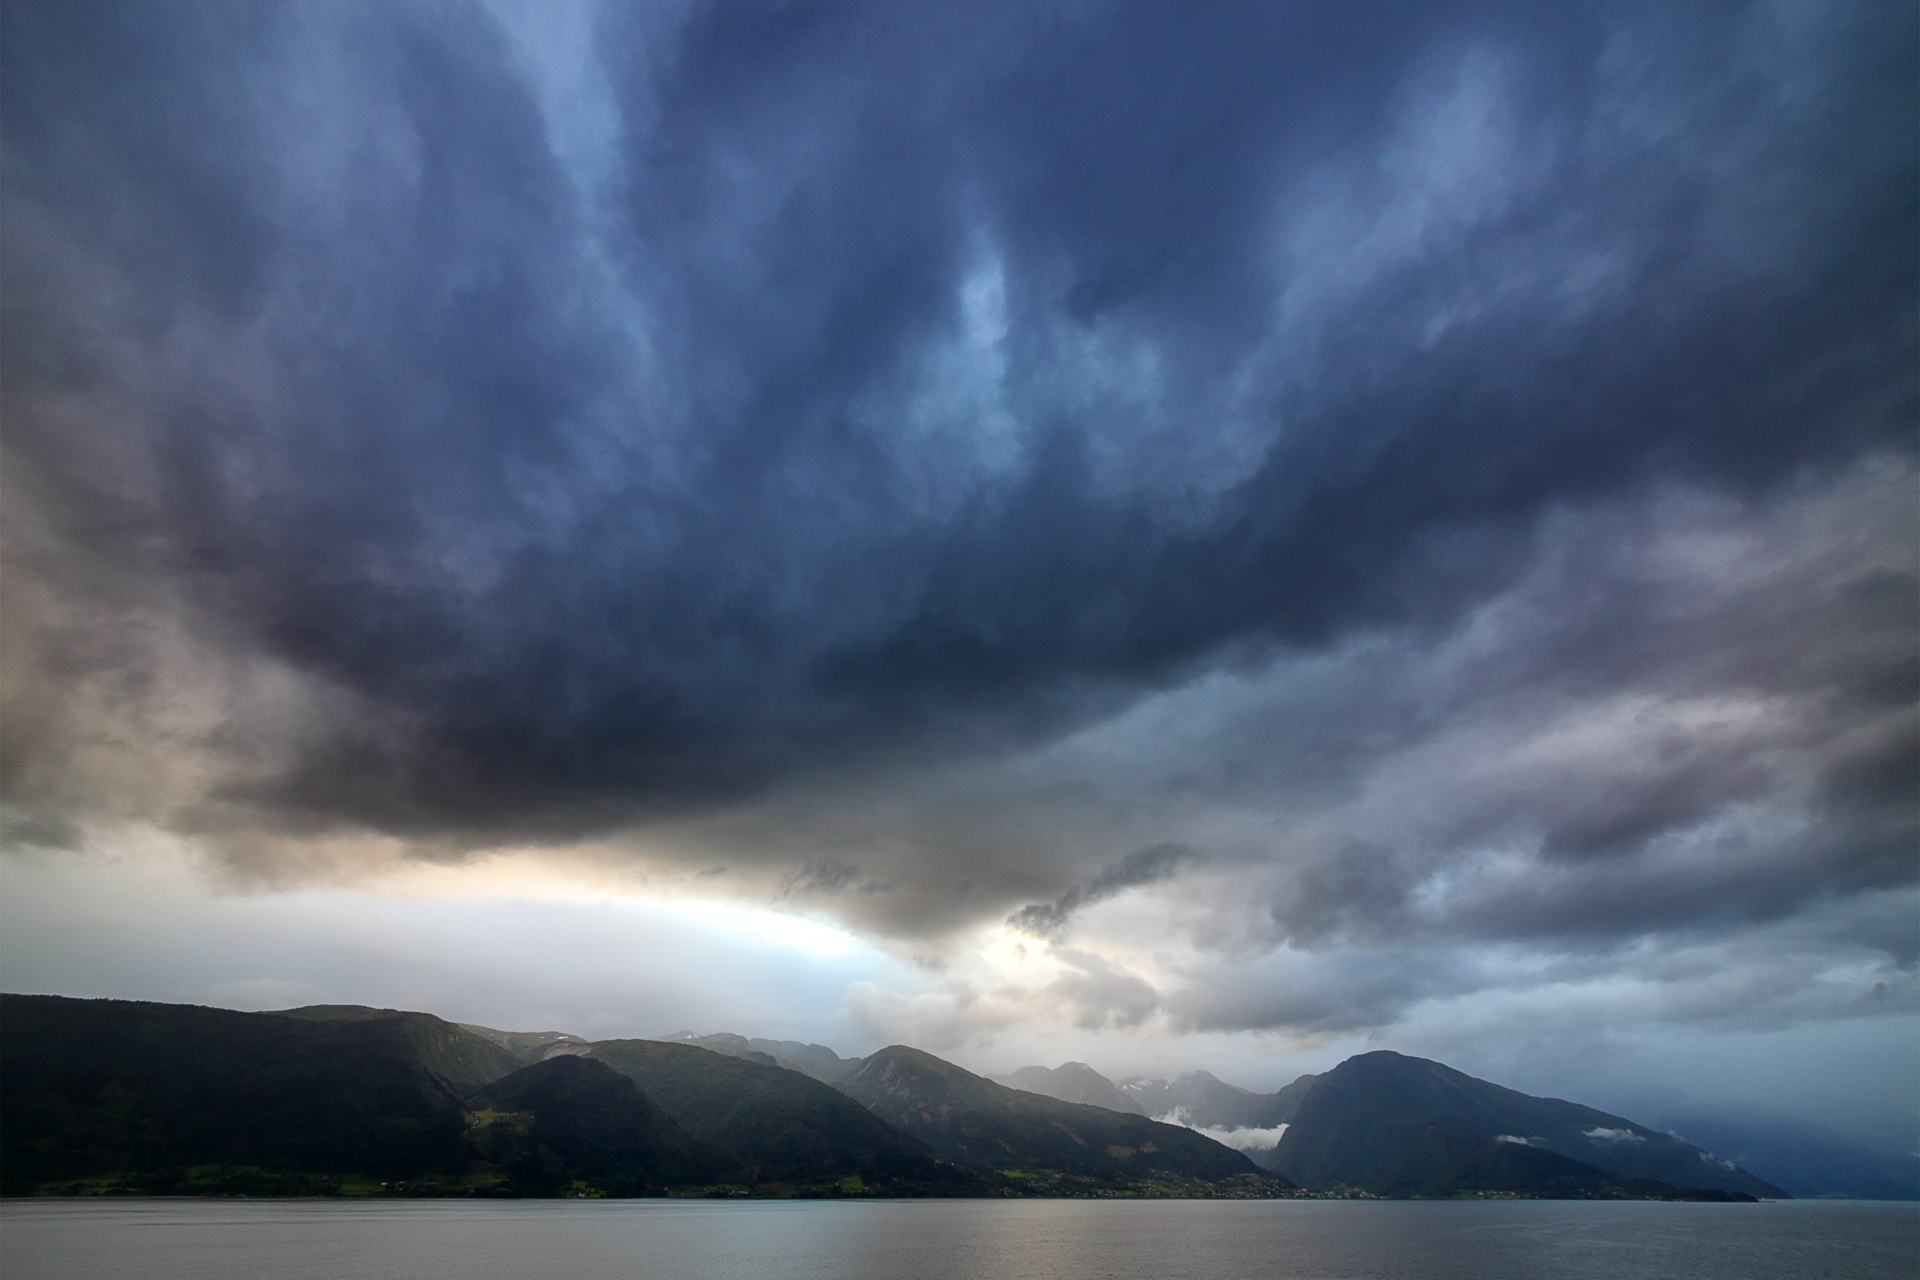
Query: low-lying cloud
x=1239, y=1138
x=1601, y=1134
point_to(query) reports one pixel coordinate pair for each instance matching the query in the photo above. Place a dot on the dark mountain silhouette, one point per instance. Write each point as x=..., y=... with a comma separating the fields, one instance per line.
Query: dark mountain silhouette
x=572, y=1118
x=456, y=1054
x=1396, y=1125
x=779, y=1126
x=974, y=1121
x=174, y=1097
x=119, y=1095
x=180, y=1099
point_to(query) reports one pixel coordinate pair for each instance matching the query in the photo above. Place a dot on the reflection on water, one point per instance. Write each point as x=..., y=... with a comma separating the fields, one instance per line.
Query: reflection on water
x=954, y=1240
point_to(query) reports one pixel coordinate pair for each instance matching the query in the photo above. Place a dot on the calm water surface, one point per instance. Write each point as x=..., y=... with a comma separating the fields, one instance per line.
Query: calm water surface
x=954, y=1240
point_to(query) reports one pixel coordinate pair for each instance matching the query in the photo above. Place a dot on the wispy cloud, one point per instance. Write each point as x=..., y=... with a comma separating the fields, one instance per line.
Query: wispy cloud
x=1150, y=865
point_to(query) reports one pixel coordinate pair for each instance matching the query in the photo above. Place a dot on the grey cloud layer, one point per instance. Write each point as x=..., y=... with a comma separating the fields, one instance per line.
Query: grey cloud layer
x=421, y=425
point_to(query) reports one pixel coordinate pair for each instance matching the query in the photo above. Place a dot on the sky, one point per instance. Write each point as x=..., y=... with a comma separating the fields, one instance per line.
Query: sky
x=1159, y=535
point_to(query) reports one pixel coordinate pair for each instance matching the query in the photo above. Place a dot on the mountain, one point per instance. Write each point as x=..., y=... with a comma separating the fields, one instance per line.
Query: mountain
x=976, y=1122
x=456, y=1054
x=724, y=1042
x=571, y=1119
x=1396, y=1125
x=103, y=1095
x=178, y=1098
x=780, y=1126
x=1073, y=1082
x=529, y=1046
x=1204, y=1101
x=1810, y=1160
x=815, y=1060
x=338, y=1098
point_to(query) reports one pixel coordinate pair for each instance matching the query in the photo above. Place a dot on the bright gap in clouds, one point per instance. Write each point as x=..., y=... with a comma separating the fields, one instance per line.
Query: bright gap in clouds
x=510, y=947
x=751, y=926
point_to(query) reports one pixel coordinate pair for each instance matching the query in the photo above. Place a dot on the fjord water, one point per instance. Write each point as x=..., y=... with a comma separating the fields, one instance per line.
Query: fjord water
x=955, y=1240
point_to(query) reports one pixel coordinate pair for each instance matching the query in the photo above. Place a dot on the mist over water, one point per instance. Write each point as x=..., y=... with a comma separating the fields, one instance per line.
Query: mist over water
x=952, y=1240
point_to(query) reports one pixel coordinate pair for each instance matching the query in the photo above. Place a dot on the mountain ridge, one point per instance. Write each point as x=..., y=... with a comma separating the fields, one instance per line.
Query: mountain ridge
x=1209, y=1102
x=1398, y=1125
x=569, y=1120
x=815, y=1060
x=781, y=1126
x=1073, y=1082
x=306, y=1101
x=456, y=1054
x=976, y=1121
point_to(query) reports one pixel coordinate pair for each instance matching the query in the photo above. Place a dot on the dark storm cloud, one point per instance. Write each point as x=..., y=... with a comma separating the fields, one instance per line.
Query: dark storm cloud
x=1724, y=741
x=805, y=388
x=1328, y=994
